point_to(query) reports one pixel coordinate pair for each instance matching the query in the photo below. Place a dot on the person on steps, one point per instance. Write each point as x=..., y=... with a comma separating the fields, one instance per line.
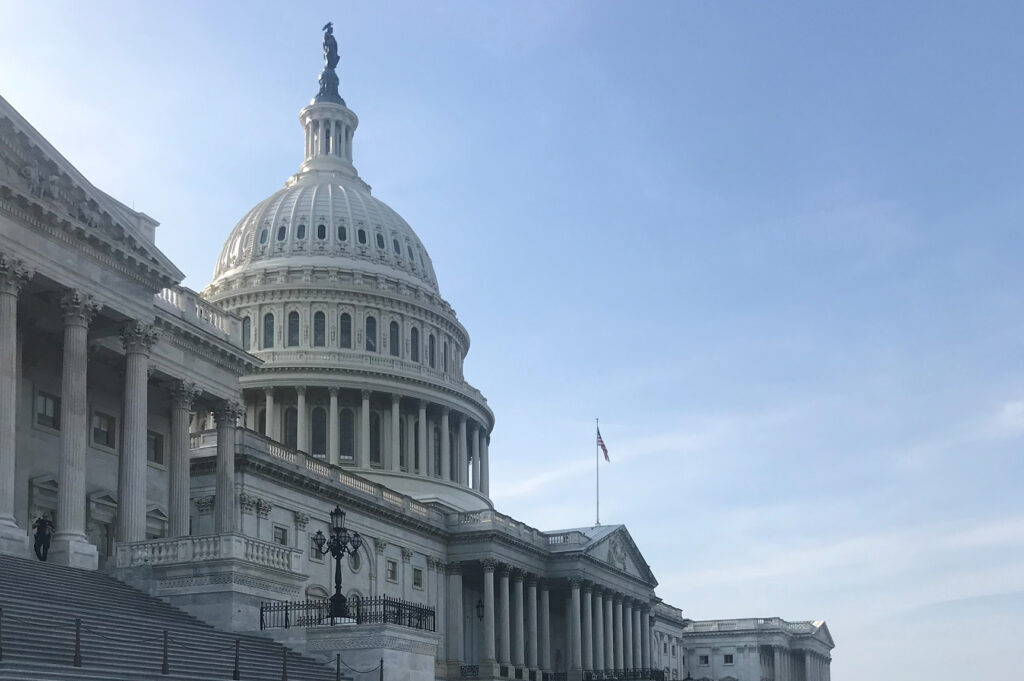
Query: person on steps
x=44, y=528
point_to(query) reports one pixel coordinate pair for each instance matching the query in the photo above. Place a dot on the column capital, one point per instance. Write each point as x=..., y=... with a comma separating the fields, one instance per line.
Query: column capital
x=617, y=598
x=379, y=545
x=184, y=394
x=228, y=412
x=597, y=589
x=503, y=569
x=575, y=582
x=333, y=391
x=586, y=587
x=13, y=274
x=395, y=398
x=79, y=307
x=489, y=564
x=365, y=394
x=445, y=411
x=518, y=575
x=455, y=567
x=300, y=389
x=139, y=337
x=532, y=579
x=406, y=554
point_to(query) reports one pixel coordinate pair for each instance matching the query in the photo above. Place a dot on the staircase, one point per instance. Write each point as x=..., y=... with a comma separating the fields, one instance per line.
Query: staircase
x=121, y=634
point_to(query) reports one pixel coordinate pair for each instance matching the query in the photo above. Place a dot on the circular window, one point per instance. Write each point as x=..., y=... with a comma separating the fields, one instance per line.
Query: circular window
x=354, y=562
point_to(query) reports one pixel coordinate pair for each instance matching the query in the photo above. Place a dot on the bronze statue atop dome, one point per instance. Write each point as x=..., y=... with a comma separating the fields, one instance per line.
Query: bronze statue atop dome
x=329, y=77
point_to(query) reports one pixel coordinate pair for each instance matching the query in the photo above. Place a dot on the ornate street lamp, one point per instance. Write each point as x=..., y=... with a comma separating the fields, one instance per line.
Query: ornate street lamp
x=341, y=541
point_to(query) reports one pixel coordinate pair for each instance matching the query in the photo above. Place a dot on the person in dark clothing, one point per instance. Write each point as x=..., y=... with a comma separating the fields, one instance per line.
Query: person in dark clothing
x=44, y=528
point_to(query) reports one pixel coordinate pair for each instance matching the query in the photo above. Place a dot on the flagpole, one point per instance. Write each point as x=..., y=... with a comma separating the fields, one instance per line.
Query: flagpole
x=597, y=476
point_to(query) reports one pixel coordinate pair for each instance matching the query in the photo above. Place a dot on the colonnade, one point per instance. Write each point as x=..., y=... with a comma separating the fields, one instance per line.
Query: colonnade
x=396, y=440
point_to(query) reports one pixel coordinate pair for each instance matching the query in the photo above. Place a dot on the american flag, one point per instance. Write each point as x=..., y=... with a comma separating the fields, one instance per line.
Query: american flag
x=600, y=443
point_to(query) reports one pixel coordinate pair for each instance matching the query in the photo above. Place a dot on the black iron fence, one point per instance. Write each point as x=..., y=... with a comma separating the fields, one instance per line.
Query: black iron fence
x=316, y=613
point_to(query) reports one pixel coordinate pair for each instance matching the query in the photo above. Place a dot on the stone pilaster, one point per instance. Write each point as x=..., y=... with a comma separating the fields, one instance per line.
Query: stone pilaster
x=70, y=546
x=363, y=455
x=396, y=434
x=13, y=276
x=137, y=340
x=454, y=636
x=226, y=416
x=183, y=396
x=333, y=428
x=446, y=454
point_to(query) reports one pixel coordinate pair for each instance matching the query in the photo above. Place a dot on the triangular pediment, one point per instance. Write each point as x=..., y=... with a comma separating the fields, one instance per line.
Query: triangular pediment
x=35, y=172
x=617, y=549
x=824, y=635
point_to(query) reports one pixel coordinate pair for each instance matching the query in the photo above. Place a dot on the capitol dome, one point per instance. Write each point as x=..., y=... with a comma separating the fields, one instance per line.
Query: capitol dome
x=361, y=356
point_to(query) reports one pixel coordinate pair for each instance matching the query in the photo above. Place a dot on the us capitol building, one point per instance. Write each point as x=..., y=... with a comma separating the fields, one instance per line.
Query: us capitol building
x=192, y=444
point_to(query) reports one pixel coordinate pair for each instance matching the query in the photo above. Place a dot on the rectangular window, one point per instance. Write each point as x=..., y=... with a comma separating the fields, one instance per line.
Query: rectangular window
x=280, y=535
x=48, y=410
x=417, y=578
x=314, y=552
x=392, y=571
x=673, y=651
x=702, y=660
x=104, y=428
x=728, y=658
x=155, y=448
x=664, y=648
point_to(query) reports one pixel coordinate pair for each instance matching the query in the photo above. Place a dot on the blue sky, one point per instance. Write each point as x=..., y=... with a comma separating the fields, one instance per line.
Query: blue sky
x=774, y=246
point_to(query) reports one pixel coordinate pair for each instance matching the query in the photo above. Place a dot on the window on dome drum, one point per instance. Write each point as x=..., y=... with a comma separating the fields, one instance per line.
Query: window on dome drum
x=416, y=445
x=393, y=339
x=321, y=232
x=403, y=445
x=48, y=410
x=300, y=232
x=291, y=427
x=371, y=334
x=361, y=235
x=263, y=237
x=319, y=329
x=345, y=330
x=246, y=331
x=431, y=350
x=347, y=427
x=342, y=233
x=414, y=342
x=380, y=241
x=318, y=443
x=437, y=452
x=293, y=328
x=281, y=232
x=412, y=255
x=728, y=658
x=444, y=358
x=268, y=330
x=155, y=448
x=396, y=246
x=375, y=450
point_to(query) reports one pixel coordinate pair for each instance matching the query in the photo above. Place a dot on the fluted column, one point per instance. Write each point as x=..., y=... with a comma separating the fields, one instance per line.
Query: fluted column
x=776, y=663
x=463, y=452
x=301, y=420
x=395, y=463
x=13, y=276
x=475, y=443
x=531, y=622
x=544, y=644
x=627, y=633
x=183, y=396
x=364, y=432
x=70, y=546
x=226, y=416
x=454, y=629
x=504, y=645
x=637, y=638
x=333, y=428
x=619, y=659
x=489, y=614
x=586, y=628
x=485, y=463
x=575, y=647
x=446, y=454
x=421, y=438
x=609, y=631
x=645, y=637
x=518, y=647
x=271, y=416
x=598, y=627
x=137, y=341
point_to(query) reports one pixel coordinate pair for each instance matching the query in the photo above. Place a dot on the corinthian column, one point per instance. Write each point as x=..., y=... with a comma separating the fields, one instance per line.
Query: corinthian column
x=137, y=339
x=627, y=634
x=421, y=438
x=586, y=630
x=645, y=637
x=598, y=628
x=446, y=454
x=475, y=443
x=545, y=626
x=619, y=659
x=453, y=639
x=70, y=546
x=504, y=647
x=637, y=638
x=13, y=275
x=518, y=648
x=396, y=444
x=575, y=650
x=333, y=428
x=531, y=622
x=485, y=463
x=301, y=420
x=463, y=452
x=488, y=645
x=363, y=458
x=183, y=397
x=226, y=416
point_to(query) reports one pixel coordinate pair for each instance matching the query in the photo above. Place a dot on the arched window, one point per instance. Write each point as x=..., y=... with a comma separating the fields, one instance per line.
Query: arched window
x=403, y=444
x=396, y=246
x=263, y=237
x=394, y=342
x=361, y=235
x=321, y=232
x=416, y=445
x=318, y=443
x=345, y=330
x=454, y=469
x=437, y=452
x=347, y=424
x=380, y=241
x=444, y=357
x=414, y=342
x=268, y=330
x=291, y=427
x=319, y=329
x=281, y=232
x=375, y=453
x=342, y=233
x=300, y=232
x=293, y=328
x=371, y=333
x=261, y=422
x=246, y=331
x=431, y=350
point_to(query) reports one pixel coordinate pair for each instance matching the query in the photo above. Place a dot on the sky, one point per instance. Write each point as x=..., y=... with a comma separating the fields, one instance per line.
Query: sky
x=775, y=247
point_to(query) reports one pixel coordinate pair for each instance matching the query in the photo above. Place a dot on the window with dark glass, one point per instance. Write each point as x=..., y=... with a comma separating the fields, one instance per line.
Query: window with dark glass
x=347, y=423
x=361, y=235
x=268, y=330
x=414, y=342
x=48, y=410
x=291, y=427
x=375, y=433
x=444, y=358
x=293, y=328
x=155, y=448
x=380, y=241
x=371, y=334
x=702, y=660
x=345, y=330
x=263, y=237
x=321, y=232
x=319, y=329
x=300, y=232
x=393, y=339
x=104, y=428
x=281, y=232
x=437, y=451
x=396, y=246
x=342, y=233
x=318, y=441
x=432, y=350
x=727, y=658
x=280, y=535
x=416, y=445
x=246, y=331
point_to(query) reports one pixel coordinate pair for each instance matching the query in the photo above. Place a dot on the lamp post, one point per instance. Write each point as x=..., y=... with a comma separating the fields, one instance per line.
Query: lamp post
x=340, y=542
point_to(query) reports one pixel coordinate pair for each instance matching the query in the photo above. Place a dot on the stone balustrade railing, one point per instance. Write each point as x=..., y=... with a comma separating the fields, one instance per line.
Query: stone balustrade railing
x=470, y=521
x=187, y=305
x=752, y=623
x=567, y=538
x=225, y=546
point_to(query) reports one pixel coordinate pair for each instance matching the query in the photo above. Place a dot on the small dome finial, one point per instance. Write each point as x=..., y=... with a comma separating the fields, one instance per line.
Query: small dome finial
x=329, y=77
